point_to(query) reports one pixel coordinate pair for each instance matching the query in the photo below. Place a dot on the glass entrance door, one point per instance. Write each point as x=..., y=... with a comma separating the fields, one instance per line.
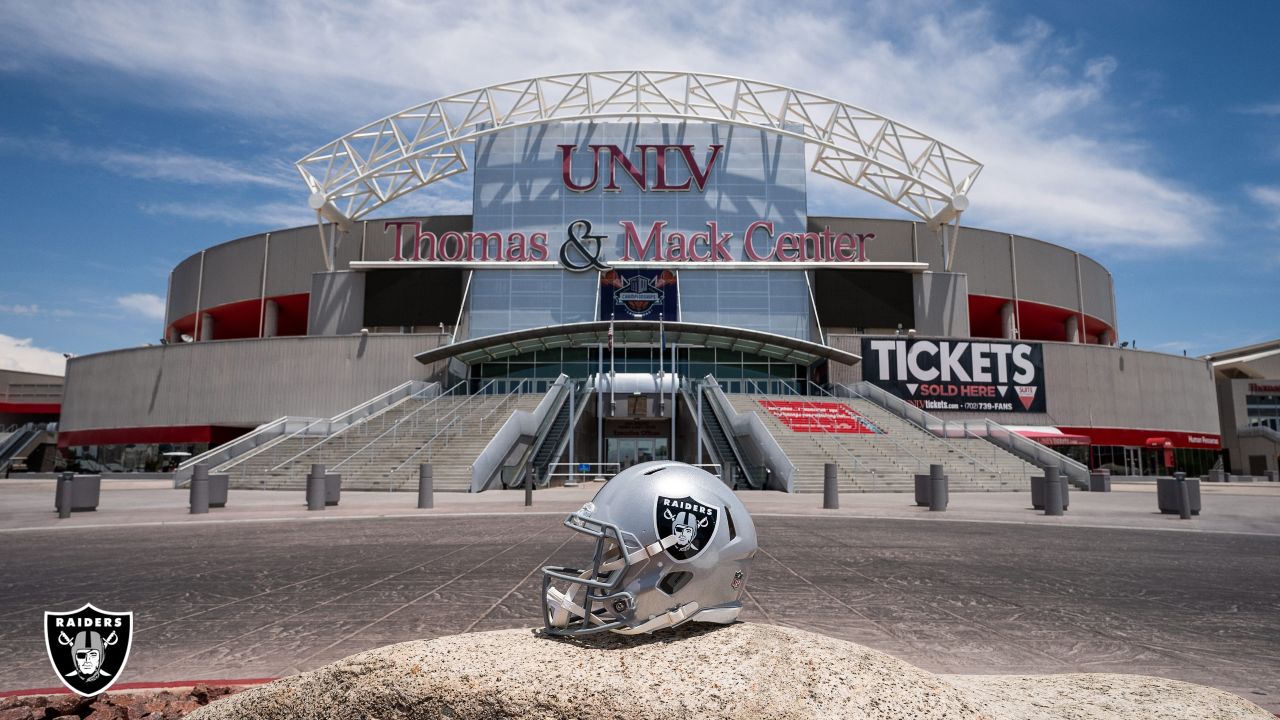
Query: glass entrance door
x=629, y=451
x=1133, y=461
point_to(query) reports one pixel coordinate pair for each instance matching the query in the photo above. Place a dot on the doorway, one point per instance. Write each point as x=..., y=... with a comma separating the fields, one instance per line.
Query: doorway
x=629, y=451
x=1133, y=461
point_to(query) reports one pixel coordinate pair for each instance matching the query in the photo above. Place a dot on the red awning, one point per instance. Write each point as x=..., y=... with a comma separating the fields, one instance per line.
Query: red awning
x=1052, y=439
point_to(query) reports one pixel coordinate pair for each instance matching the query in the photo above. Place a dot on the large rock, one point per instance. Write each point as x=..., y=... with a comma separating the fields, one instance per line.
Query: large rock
x=739, y=671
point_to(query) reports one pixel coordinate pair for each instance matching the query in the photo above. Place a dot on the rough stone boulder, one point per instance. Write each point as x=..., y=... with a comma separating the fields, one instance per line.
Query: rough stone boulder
x=739, y=671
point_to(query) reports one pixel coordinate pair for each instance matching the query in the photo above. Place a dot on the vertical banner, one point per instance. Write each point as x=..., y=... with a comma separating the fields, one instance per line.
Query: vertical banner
x=980, y=376
x=639, y=295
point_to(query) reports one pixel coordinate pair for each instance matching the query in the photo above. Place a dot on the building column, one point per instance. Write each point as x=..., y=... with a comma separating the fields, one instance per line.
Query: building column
x=270, y=319
x=1072, y=327
x=1008, y=322
x=1106, y=337
x=206, y=327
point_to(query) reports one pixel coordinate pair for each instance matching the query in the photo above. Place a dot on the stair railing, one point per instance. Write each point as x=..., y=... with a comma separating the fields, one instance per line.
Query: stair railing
x=449, y=419
x=365, y=424
x=756, y=395
x=973, y=460
x=448, y=425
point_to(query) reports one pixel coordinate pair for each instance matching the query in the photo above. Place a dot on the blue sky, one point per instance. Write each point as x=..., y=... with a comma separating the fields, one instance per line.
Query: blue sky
x=1145, y=134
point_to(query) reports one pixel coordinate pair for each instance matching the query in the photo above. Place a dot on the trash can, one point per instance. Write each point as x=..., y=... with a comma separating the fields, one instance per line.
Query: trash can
x=922, y=490
x=86, y=490
x=1167, y=495
x=1037, y=492
x=218, y=485
x=332, y=488
x=1099, y=481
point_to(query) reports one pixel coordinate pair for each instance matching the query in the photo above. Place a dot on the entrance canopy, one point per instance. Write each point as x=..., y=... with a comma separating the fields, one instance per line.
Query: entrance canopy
x=592, y=334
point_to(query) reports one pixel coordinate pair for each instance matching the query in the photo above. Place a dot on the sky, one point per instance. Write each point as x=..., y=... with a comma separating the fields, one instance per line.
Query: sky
x=1145, y=133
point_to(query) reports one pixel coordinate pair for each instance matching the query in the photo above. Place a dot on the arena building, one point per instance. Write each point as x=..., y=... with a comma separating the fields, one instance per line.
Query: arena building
x=640, y=278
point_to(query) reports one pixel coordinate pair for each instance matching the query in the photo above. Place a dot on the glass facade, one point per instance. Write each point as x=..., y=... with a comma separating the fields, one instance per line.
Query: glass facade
x=1147, y=461
x=736, y=371
x=1263, y=411
x=755, y=176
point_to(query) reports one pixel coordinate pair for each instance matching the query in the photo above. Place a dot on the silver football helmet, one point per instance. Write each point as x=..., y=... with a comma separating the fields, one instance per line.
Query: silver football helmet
x=672, y=545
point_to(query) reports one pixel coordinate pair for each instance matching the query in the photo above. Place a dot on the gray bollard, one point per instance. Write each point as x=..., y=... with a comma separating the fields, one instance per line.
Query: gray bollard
x=64, y=494
x=199, y=498
x=1184, y=496
x=830, y=487
x=426, y=489
x=939, y=494
x=316, y=487
x=528, y=488
x=1052, y=492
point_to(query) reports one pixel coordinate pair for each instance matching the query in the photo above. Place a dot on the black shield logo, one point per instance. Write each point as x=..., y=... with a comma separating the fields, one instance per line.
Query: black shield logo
x=88, y=647
x=691, y=522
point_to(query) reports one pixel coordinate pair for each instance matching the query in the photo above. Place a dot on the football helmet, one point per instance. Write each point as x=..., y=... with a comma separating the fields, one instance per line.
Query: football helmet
x=672, y=545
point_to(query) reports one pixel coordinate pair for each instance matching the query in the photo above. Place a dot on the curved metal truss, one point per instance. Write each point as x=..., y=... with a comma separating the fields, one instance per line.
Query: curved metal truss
x=384, y=160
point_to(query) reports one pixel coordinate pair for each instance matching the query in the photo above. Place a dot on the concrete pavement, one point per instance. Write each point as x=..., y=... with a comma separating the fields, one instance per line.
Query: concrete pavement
x=264, y=588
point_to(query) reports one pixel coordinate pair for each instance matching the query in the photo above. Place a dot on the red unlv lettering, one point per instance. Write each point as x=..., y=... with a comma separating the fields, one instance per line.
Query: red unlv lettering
x=638, y=171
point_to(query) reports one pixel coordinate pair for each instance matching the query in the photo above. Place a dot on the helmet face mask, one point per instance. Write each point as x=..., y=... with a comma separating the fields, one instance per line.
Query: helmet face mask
x=672, y=544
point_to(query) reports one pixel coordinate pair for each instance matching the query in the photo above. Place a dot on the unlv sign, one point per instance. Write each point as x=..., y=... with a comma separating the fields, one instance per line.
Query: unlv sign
x=639, y=171
x=958, y=374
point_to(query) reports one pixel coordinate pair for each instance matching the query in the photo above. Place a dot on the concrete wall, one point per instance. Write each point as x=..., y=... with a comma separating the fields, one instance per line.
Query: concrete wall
x=941, y=302
x=236, y=382
x=997, y=264
x=1099, y=386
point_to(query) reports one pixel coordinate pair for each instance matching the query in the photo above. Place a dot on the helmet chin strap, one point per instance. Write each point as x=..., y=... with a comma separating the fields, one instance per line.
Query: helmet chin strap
x=665, y=620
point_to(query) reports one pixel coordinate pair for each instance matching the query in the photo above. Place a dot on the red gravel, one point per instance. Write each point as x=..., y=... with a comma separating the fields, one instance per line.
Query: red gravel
x=166, y=704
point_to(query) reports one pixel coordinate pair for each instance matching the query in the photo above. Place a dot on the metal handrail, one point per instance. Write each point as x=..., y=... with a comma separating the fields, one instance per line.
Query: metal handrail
x=365, y=423
x=727, y=427
x=752, y=384
x=974, y=461
x=559, y=386
x=394, y=429
x=905, y=410
x=458, y=418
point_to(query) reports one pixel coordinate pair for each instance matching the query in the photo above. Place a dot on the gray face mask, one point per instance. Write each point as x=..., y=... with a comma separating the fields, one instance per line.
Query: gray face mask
x=670, y=544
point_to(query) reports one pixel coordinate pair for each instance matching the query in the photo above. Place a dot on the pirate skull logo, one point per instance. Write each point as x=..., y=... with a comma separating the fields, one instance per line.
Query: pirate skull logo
x=692, y=524
x=88, y=647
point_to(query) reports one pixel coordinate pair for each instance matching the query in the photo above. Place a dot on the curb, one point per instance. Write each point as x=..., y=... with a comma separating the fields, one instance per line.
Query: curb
x=62, y=690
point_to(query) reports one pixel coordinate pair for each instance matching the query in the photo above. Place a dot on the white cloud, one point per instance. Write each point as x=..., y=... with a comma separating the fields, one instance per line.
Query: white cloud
x=1063, y=160
x=1269, y=198
x=145, y=304
x=19, y=309
x=270, y=215
x=20, y=354
x=153, y=164
x=1265, y=109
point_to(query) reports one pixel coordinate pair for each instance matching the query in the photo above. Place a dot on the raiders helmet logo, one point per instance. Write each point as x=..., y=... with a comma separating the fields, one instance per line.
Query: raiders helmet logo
x=692, y=523
x=88, y=647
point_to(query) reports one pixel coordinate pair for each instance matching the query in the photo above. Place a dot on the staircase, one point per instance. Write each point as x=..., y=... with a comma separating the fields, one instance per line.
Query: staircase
x=887, y=461
x=717, y=436
x=384, y=452
x=20, y=443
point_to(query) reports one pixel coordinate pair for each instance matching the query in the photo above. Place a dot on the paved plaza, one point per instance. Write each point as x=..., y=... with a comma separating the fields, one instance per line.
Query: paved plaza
x=264, y=588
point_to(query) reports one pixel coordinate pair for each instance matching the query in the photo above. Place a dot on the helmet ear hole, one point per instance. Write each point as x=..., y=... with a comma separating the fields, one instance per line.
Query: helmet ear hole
x=728, y=516
x=673, y=581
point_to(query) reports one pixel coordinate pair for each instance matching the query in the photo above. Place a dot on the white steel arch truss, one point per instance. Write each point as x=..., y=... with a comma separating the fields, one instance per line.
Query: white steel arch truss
x=399, y=154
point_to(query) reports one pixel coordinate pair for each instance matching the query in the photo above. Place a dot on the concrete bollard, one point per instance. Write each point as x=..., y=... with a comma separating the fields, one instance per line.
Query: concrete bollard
x=316, y=487
x=1184, y=496
x=939, y=493
x=1273, y=476
x=830, y=487
x=1052, y=492
x=63, y=496
x=528, y=487
x=426, y=487
x=922, y=490
x=199, y=498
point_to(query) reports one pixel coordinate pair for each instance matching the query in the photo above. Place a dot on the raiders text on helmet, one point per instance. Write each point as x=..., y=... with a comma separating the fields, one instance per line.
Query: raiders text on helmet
x=672, y=545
